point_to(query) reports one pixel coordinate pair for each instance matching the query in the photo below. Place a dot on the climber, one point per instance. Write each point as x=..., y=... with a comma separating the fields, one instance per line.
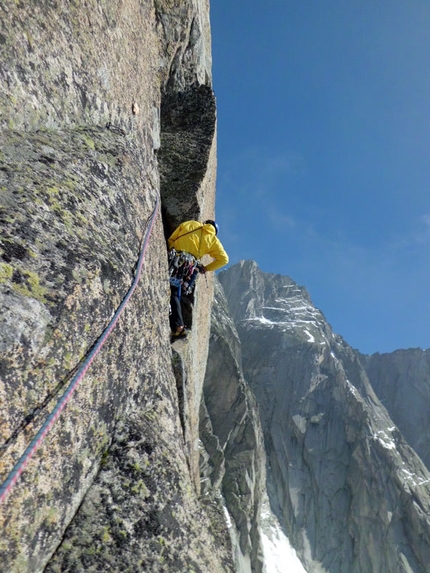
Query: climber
x=187, y=245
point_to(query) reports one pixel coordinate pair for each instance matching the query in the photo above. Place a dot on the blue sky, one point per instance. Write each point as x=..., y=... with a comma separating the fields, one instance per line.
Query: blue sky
x=324, y=155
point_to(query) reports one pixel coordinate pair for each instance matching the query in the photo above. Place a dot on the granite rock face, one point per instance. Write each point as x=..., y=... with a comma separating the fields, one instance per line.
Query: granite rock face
x=115, y=484
x=351, y=493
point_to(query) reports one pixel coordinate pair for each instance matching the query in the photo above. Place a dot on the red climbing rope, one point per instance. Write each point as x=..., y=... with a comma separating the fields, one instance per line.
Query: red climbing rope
x=50, y=421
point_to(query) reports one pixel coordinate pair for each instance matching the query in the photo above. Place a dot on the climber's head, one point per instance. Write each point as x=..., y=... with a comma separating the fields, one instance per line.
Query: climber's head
x=210, y=222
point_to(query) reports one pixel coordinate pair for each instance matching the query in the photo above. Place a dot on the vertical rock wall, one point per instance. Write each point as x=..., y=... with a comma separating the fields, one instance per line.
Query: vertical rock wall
x=81, y=95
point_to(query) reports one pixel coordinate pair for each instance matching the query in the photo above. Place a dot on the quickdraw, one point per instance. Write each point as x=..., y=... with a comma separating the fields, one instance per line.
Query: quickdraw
x=183, y=270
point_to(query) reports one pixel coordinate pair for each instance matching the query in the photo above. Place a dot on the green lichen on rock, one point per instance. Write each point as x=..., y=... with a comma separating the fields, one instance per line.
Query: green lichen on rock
x=6, y=272
x=66, y=261
x=56, y=192
x=142, y=500
x=74, y=200
x=27, y=283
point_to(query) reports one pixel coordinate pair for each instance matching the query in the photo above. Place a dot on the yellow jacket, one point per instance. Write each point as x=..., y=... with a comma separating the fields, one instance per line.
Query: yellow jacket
x=199, y=240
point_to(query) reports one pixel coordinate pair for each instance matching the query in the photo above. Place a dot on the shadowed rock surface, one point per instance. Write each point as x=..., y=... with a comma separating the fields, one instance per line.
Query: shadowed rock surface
x=350, y=492
x=188, y=130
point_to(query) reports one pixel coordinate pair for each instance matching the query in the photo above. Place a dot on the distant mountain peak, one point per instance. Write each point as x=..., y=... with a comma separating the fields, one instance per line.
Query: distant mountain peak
x=341, y=476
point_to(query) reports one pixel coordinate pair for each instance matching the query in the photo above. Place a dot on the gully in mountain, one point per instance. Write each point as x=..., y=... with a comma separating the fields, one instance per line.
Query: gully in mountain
x=187, y=245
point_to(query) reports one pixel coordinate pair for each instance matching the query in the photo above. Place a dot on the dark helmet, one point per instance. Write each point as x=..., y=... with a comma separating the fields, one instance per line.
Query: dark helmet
x=210, y=222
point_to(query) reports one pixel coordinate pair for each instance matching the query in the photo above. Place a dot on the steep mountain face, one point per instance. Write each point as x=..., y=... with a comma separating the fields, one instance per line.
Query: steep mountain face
x=102, y=104
x=401, y=380
x=351, y=493
x=233, y=458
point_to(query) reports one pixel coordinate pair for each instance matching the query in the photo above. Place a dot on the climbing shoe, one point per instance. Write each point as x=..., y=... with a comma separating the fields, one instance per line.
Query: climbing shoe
x=181, y=334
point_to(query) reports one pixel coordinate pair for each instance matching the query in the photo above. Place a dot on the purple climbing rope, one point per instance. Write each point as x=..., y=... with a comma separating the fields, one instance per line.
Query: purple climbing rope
x=20, y=465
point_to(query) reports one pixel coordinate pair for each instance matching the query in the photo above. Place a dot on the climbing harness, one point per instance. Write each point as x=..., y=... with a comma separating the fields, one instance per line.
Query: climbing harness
x=39, y=437
x=183, y=271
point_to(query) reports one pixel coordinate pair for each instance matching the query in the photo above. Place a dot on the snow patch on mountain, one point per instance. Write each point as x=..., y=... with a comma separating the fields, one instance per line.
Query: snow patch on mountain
x=279, y=556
